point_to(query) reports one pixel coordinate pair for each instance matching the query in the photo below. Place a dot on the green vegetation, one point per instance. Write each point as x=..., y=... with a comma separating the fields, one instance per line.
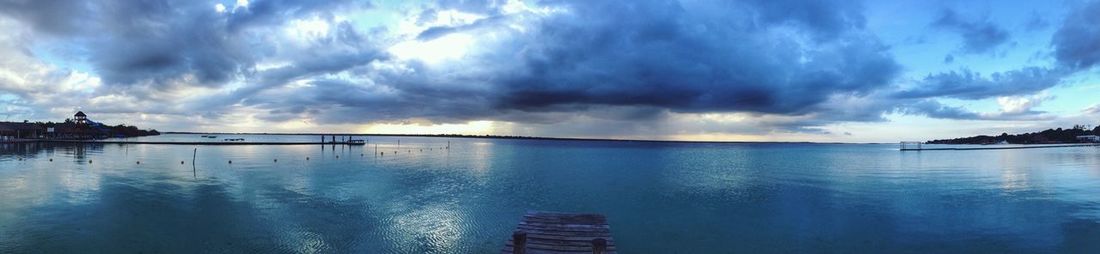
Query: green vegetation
x=1049, y=136
x=95, y=130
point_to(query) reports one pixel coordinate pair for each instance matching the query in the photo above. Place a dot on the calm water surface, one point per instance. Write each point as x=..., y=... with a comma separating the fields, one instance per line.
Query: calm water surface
x=659, y=197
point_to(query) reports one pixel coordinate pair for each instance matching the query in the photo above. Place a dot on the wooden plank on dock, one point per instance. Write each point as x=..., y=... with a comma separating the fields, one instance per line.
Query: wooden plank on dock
x=554, y=232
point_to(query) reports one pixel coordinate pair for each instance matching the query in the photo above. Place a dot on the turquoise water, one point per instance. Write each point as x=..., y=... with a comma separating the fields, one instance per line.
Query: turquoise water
x=659, y=197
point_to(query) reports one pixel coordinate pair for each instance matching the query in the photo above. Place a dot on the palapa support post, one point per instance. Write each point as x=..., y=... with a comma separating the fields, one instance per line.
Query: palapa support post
x=599, y=246
x=519, y=242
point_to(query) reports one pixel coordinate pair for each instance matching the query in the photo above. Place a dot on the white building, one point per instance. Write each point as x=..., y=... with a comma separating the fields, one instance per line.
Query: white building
x=1089, y=138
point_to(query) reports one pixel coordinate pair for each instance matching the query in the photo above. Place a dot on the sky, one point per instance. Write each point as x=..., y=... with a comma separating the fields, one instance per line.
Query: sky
x=738, y=70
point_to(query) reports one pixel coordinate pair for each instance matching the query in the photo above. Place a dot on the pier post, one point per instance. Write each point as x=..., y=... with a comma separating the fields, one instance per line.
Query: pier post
x=519, y=242
x=599, y=246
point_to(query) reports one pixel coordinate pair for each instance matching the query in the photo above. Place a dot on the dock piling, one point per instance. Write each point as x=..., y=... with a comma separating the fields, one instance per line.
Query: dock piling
x=599, y=246
x=519, y=242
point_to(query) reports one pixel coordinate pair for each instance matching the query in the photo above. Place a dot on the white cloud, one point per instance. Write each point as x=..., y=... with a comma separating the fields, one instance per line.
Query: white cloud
x=1021, y=104
x=448, y=47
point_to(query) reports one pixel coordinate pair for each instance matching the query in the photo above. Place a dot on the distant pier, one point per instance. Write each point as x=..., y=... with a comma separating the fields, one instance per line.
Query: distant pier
x=194, y=142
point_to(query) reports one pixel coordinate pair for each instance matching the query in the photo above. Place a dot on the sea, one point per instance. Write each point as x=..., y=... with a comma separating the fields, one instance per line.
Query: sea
x=466, y=195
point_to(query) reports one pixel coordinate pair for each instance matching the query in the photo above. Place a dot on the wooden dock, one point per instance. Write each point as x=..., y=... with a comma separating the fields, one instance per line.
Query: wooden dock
x=552, y=232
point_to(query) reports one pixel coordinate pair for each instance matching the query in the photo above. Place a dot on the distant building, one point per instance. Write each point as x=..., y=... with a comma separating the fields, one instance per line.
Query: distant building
x=1089, y=138
x=80, y=117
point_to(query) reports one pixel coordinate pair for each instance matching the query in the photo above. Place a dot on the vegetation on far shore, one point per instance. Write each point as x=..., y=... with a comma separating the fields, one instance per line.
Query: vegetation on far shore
x=99, y=130
x=1049, y=136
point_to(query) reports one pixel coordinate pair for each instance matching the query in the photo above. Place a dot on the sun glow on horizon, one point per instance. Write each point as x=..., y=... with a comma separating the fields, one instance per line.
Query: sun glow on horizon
x=468, y=128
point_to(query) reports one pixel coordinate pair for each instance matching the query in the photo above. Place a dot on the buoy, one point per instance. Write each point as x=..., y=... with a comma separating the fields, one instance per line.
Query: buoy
x=337, y=156
x=89, y=161
x=230, y=161
x=138, y=162
x=51, y=159
x=307, y=158
x=181, y=162
x=360, y=155
x=276, y=160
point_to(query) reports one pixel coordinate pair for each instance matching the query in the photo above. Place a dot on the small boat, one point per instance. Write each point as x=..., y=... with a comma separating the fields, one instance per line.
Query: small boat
x=212, y=136
x=357, y=142
x=205, y=136
x=234, y=139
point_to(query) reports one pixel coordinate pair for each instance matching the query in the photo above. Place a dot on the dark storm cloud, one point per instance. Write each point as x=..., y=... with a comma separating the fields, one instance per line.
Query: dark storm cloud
x=731, y=57
x=970, y=85
x=979, y=36
x=1077, y=42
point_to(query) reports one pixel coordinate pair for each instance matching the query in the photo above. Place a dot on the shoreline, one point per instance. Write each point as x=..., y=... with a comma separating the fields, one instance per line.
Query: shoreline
x=1020, y=146
x=517, y=138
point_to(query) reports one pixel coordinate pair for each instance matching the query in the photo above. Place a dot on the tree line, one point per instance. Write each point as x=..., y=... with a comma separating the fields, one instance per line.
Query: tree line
x=1049, y=136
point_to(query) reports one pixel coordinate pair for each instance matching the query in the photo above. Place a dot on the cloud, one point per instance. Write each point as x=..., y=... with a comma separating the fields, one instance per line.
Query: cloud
x=647, y=61
x=556, y=67
x=652, y=55
x=1094, y=109
x=969, y=85
x=979, y=36
x=1036, y=22
x=161, y=42
x=1012, y=109
x=1022, y=105
x=50, y=16
x=1077, y=42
